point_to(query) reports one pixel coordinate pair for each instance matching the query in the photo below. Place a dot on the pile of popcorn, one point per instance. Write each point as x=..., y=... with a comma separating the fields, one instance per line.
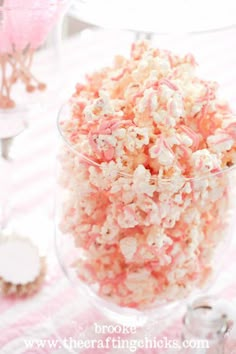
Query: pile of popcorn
x=147, y=190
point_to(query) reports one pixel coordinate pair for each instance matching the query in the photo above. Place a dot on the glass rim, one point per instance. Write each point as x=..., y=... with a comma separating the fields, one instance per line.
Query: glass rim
x=79, y=11
x=181, y=178
x=164, y=33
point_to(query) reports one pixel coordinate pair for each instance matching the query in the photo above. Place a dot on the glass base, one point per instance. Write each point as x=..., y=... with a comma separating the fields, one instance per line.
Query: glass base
x=130, y=316
x=12, y=123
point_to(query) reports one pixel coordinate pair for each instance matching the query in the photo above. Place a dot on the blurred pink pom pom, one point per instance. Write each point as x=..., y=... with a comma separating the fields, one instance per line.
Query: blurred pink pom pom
x=27, y=23
x=5, y=41
x=24, y=27
x=43, y=20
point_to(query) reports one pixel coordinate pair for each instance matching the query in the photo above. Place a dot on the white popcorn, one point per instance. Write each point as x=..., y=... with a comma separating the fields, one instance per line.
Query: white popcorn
x=128, y=247
x=127, y=218
x=149, y=99
x=220, y=142
x=165, y=157
x=185, y=139
x=162, y=153
x=175, y=106
x=205, y=161
x=142, y=181
x=158, y=238
x=161, y=117
x=173, y=140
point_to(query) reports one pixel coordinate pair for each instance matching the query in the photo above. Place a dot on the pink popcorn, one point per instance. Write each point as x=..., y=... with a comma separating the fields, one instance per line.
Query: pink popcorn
x=148, y=195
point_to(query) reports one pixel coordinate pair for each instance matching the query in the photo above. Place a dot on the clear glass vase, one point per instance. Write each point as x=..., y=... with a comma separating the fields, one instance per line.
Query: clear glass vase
x=139, y=244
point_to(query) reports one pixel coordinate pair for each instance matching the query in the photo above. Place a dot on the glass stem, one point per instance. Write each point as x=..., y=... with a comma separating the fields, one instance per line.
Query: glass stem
x=5, y=147
x=6, y=166
x=142, y=35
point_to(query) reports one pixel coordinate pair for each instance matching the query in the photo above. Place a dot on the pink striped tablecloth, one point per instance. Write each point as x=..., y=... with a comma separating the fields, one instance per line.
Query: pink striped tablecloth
x=56, y=312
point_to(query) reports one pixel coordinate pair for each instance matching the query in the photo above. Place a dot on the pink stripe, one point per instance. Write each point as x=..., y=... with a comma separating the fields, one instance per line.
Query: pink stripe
x=230, y=345
x=35, y=318
x=42, y=129
x=42, y=198
x=32, y=156
x=171, y=332
x=73, y=329
x=103, y=337
x=8, y=303
x=229, y=292
x=29, y=181
x=82, y=322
